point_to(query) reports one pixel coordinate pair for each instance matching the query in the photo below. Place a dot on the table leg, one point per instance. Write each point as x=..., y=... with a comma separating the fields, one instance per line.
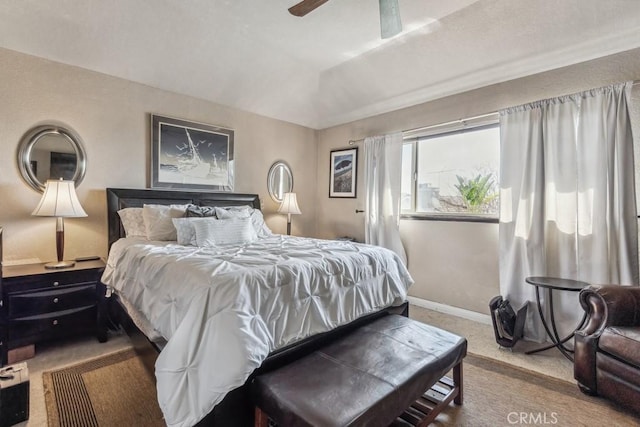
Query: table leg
x=544, y=323
x=556, y=337
x=542, y=318
x=553, y=331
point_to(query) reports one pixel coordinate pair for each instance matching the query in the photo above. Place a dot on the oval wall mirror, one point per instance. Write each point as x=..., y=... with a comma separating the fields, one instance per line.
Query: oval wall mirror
x=51, y=152
x=279, y=181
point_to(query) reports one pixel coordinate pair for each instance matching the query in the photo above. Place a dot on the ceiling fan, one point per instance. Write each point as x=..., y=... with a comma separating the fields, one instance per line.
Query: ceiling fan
x=390, y=23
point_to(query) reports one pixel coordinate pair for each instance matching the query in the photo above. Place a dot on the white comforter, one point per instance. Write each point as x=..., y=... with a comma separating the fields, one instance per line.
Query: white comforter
x=223, y=310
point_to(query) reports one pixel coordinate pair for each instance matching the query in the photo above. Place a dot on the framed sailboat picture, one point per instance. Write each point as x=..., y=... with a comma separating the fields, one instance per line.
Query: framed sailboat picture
x=188, y=155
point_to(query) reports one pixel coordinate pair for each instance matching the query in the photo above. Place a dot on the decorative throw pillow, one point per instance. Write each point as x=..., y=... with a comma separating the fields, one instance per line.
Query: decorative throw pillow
x=132, y=222
x=185, y=233
x=257, y=220
x=224, y=232
x=200, y=211
x=157, y=220
x=233, y=212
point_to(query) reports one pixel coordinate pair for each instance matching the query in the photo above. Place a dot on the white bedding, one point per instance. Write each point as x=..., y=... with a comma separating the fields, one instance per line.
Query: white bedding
x=223, y=310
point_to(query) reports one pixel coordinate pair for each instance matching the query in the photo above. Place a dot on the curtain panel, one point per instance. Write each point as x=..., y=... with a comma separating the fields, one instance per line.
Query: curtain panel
x=567, y=198
x=382, y=166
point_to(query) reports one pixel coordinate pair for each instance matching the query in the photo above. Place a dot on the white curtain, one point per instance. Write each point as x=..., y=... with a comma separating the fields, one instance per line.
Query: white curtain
x=567, y=198
x=382, y=166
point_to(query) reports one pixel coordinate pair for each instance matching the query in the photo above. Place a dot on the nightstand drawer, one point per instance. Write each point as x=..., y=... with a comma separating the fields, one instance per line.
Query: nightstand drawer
x=53, y=323
x=53, y=280
x=29, y=303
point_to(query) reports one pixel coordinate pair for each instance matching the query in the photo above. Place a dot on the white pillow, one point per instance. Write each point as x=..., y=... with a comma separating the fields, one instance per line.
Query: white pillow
x=233, y=212
x=257, y=220
x=224, y=232
x=133, y=222
x=261, y=227
x=157, y=220
x=186, y=234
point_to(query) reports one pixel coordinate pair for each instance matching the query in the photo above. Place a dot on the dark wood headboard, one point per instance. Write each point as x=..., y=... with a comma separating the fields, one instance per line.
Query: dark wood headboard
x=120, y=198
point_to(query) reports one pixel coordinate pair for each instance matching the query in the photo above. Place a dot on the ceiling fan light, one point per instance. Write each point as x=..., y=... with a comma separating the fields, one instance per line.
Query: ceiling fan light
x=390, y=23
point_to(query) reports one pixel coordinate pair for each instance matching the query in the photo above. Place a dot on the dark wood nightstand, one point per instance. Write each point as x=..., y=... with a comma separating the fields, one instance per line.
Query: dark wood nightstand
x=37, y=304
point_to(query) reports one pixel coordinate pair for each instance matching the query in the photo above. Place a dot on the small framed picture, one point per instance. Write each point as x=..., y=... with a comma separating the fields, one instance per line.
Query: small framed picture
x=188, y=155
x=342, y=177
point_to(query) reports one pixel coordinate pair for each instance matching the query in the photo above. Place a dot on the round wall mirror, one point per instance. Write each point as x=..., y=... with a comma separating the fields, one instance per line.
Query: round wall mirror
x=51, y=152
x=279, y=181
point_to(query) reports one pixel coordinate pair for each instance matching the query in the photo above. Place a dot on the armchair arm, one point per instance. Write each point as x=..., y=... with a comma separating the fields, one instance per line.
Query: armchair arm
x=605, y=305
x=610, y=305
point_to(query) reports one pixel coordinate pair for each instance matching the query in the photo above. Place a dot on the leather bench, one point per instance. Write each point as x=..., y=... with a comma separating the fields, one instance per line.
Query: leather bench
x=390, y=368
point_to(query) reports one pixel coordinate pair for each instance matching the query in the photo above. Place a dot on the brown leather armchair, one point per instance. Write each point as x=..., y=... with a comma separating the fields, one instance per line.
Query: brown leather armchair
x=607, y=348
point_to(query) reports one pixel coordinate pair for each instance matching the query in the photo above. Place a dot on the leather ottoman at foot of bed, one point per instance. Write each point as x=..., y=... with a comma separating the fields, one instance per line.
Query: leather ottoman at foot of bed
x=372, y=376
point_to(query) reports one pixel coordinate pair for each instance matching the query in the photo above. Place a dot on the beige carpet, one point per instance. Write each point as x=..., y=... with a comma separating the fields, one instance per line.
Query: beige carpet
x=116, y=390
x=497, y=394
x=482, y=342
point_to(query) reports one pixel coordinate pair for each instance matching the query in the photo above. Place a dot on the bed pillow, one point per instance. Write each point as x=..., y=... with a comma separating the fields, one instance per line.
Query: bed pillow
x=261, y=227
x=185, y=233
x=200, y=211
x=233, y=212
x=157, y=220
x=132, y=222
x=257, y=220
x=232, y=231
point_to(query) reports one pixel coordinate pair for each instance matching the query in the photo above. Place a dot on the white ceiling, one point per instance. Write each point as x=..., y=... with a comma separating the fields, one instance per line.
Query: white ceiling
x=329, y=67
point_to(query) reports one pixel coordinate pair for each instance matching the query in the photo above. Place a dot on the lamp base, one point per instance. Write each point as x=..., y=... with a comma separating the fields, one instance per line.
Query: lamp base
x=59, y=264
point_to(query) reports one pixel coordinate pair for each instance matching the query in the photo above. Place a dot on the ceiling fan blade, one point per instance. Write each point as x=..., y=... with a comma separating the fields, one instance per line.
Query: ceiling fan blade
x=390, y=23
x=305, y=7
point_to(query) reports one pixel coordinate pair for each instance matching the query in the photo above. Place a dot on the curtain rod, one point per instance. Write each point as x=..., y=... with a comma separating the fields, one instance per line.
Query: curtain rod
x=422, y=128
x=355, y=141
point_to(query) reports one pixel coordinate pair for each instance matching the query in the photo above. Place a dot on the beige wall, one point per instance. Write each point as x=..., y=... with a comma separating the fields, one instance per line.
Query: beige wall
x=112, y=117
x=456, y=263
x=453, y=263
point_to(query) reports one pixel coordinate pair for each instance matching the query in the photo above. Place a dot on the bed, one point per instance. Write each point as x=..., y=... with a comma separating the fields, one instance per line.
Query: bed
x=226, y=313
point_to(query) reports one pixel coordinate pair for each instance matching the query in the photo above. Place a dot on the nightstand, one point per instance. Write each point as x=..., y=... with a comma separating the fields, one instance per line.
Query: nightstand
x=38, y=304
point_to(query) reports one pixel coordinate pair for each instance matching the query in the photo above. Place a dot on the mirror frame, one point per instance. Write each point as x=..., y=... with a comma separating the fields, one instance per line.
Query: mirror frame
x=270, y=176
x=29, y=141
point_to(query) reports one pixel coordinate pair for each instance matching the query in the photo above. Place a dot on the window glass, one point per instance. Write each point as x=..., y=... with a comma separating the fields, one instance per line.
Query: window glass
x=406, y=203
x=455, y=173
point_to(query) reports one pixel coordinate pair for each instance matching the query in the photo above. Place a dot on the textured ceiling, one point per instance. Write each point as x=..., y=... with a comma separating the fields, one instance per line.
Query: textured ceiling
x=324, y=69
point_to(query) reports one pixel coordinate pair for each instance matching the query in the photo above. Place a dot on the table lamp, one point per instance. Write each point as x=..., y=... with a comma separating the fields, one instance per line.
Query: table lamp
x=59, y=200
x=290, y=207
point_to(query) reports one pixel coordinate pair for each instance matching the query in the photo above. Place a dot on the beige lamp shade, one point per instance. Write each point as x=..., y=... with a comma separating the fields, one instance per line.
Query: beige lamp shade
x=290, y=207
x=59, y=200
x=289, y=204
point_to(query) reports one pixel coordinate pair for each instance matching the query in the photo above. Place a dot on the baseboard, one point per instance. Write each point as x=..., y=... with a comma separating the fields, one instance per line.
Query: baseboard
x=448, y=309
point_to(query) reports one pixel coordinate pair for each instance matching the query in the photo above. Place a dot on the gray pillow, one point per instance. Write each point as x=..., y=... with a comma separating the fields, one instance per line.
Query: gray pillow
x=200, y=211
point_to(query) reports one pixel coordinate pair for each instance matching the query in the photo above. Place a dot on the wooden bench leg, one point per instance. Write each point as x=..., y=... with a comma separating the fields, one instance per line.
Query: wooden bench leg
x=425, y=410
x=457, y=381
x=261, y=418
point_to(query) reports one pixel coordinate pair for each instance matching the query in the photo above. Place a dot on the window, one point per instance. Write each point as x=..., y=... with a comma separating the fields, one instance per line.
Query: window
x=452, y=172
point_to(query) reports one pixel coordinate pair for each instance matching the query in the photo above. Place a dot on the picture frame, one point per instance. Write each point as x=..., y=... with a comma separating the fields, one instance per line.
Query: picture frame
x=343, y=173
x=190, y=155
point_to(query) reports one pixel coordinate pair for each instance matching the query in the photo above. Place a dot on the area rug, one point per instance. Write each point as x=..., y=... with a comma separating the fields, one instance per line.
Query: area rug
x=498, y=394
x=116, y=390
x=113, y=390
